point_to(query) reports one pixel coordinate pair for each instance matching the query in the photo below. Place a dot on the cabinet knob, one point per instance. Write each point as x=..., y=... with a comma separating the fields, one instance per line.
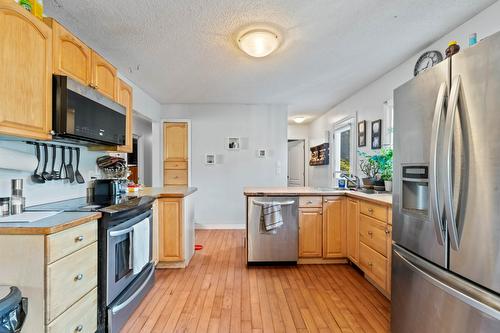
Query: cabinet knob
x=79, y=277
x=370, y=233
x=370, y=210
x=309, y=202
x=370, y=264
x=79, y=328
x=79, y=239
x=387, y=231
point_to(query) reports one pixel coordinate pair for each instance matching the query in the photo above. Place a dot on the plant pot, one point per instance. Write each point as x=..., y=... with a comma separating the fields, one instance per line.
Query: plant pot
x=368, y=181
x=388, y=185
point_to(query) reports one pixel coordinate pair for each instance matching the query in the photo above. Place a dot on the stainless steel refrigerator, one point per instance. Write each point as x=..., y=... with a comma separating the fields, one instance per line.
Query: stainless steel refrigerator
x=446, y=198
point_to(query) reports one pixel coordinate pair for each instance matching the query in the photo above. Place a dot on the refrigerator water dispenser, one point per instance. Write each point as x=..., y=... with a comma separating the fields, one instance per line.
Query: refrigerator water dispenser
x=415, y=189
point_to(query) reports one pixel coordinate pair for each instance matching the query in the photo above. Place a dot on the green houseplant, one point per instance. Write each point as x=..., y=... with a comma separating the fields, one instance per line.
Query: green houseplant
x=378, y=168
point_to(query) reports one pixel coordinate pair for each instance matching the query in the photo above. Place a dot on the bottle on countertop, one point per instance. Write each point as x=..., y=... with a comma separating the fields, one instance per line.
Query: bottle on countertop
x=452, y=49
x=473, y=39
x=39, y=9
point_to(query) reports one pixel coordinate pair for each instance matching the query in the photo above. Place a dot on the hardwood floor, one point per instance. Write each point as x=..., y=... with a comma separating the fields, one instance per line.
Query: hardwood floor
x=218, y=293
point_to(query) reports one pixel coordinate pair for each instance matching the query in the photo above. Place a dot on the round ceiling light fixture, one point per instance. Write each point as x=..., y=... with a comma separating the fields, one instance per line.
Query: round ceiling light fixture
x=299, y=120
x=259, y=43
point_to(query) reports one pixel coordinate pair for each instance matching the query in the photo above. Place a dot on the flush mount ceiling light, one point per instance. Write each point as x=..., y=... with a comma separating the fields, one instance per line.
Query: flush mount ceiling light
x=259, y=43
x=299, y=120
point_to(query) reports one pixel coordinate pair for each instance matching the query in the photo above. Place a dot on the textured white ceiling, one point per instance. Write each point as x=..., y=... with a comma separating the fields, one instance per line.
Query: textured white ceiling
x=186, y=50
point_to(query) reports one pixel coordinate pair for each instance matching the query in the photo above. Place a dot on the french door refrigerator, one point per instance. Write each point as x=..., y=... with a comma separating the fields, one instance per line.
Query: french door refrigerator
x=446, y=198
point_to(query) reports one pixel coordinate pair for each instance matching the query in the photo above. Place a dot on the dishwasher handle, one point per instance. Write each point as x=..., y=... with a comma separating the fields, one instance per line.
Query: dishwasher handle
x=284, y=203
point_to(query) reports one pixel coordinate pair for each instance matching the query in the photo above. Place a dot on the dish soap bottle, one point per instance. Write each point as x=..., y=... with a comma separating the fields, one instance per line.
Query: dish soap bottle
x=39, y=9
x=452, y=49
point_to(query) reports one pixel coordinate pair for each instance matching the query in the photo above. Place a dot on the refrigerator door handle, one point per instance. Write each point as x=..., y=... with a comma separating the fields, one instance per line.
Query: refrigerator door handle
x=491, y=304
x=448, y=147
x=436, y=207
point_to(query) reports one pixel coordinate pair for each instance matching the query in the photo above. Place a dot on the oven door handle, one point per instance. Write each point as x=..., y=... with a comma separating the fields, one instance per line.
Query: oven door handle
x=119, y=307
x=120, y=232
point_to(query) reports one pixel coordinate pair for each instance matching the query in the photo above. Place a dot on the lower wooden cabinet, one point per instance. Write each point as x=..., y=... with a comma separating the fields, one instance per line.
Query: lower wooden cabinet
x=334, y=228
x=352, y=217
x=310, y=232
x=373, y=264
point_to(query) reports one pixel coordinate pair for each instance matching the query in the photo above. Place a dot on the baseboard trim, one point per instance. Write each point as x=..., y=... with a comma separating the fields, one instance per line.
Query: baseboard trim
x=221, y=226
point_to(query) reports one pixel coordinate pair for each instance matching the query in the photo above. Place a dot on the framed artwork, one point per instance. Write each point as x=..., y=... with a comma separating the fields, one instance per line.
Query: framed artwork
x=362, y=133
x=233, y=143
x=377, y=134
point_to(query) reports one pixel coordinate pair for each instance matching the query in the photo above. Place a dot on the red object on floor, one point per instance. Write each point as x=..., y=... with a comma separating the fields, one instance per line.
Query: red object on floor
x=198, y=247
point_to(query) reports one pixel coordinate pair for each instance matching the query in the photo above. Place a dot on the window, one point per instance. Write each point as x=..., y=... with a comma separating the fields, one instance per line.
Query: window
x=344, y=158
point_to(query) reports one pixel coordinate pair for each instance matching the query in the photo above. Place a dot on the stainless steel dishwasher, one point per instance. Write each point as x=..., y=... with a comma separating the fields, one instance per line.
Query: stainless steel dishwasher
x=280, y=246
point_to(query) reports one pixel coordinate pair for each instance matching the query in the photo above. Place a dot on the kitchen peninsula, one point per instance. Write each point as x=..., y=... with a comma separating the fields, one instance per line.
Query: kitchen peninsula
x=333, y=227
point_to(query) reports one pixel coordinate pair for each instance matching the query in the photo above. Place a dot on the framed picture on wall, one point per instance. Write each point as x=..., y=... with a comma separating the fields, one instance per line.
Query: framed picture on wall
x=362, y=133
x=377, y=134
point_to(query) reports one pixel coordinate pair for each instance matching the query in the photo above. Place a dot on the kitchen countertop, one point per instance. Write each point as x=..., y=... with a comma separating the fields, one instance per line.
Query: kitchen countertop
x=382, y=198
x=49, y=225
x=164, y=192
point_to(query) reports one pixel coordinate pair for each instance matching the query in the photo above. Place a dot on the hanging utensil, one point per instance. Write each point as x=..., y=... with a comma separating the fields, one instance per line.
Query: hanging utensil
x=69, y=167
x=54, y=174
x=45, y=174
x=78, y=175
x=36, y=178
x=63, y=164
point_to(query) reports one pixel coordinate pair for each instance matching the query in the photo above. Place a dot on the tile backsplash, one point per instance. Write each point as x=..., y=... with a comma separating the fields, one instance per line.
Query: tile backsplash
x=52, y=190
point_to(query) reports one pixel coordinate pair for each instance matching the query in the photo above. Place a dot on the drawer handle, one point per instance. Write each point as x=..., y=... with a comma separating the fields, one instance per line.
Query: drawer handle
x=387, y=231
x=79, y=239
x=370, y=264
x=176, y=177
x=79, y=277
x=309, y=202
x=370, y=233
x=370, y=210
x=79, y=328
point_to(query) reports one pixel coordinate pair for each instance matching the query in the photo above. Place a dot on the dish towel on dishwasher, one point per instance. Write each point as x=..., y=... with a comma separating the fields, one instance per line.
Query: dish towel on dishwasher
x=140, y=242
x=270, y=216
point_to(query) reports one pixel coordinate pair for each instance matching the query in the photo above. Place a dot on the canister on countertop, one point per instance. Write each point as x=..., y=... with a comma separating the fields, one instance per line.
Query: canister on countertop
x=16, y=205
x=4, y=206
x=17, y=187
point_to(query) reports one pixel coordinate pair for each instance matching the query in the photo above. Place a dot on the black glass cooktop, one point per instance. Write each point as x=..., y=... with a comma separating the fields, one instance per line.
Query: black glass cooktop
x=95, y=204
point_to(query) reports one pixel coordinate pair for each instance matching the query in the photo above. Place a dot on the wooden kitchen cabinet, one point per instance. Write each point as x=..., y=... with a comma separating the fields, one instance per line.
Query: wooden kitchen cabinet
x=26, y=74
x=170, y=229
x=334, y=228
x=175, y=154
x=71, y=57
x=310, y=232
x=104, y=76
x=352, y=217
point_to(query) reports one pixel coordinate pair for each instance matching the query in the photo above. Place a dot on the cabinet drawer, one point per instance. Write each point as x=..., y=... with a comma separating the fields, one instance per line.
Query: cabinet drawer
x=373, y=210
x=310, y=202
x=176, y=177
x=81, y=317
x=69, y=279
x=373, y=264
x=175, y=165
x=373, y=233
x=68, y=241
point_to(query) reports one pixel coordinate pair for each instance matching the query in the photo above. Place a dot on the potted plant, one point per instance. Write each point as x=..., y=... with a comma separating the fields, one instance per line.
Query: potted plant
x=370, y=169
x=378, y=168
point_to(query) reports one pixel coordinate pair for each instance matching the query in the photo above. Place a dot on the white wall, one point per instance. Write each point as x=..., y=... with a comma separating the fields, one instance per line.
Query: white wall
x=220, y=201
x=368, y=101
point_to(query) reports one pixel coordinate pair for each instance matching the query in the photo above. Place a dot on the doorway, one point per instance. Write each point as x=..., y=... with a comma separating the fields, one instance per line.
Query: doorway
x=296, y=162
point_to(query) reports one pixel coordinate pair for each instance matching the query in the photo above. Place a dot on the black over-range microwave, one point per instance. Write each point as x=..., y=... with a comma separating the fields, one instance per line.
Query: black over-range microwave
x=82, y=115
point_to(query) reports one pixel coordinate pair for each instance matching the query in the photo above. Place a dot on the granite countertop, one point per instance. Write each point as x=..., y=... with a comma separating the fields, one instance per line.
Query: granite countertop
x=164, y=192
x=382, y=198
x=49, y=225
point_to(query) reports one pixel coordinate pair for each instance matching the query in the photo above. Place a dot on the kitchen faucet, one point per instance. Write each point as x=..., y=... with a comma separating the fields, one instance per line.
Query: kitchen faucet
x=353, y=179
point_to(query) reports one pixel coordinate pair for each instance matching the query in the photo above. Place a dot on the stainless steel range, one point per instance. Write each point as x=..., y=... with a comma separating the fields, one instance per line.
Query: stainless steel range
x=119, y=290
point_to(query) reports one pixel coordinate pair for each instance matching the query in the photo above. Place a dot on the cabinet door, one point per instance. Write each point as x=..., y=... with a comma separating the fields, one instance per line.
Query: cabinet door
x=170, y=228
x=353, y=230
x=310, y=232
x=125, y=99
x=104, y=77
x=389, y=259
x=71, y=56
x=175, y=145
x=334, y=228
x=25, y=74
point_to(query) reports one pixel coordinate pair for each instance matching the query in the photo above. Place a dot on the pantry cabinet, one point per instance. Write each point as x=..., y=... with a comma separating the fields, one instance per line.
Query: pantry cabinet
x=334, y=228
x=310, y=232
x=104, y=76
x=71, y=57
x=26, y=74
x=175, y=154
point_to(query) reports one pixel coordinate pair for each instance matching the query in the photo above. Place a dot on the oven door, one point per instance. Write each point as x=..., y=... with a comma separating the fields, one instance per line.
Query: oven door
x=120, y=255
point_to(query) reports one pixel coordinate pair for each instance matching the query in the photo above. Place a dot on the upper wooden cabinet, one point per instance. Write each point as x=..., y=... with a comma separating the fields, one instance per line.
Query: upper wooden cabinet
x=25, y=74
x=175, y=146
x=104, y=76
x=71, y=56
x=125, y=98
x=334, y=228
x=310, y=232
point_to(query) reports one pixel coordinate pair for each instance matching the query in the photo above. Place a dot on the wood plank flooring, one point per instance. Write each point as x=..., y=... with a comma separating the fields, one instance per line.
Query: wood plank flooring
x=218, y=293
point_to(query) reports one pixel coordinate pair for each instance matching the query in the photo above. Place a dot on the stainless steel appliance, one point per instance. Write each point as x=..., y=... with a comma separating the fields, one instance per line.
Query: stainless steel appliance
x=83, y=115
x=119, y=290
x=278, y=246
x=446, y=211
x=109, y=187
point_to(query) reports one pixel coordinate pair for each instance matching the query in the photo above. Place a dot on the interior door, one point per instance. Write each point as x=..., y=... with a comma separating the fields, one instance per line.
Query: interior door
x=418, y=226
x=296, y=156
x=473, y=194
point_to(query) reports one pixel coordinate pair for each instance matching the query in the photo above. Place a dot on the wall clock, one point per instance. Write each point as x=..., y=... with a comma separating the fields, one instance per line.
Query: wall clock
x=427, y=60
